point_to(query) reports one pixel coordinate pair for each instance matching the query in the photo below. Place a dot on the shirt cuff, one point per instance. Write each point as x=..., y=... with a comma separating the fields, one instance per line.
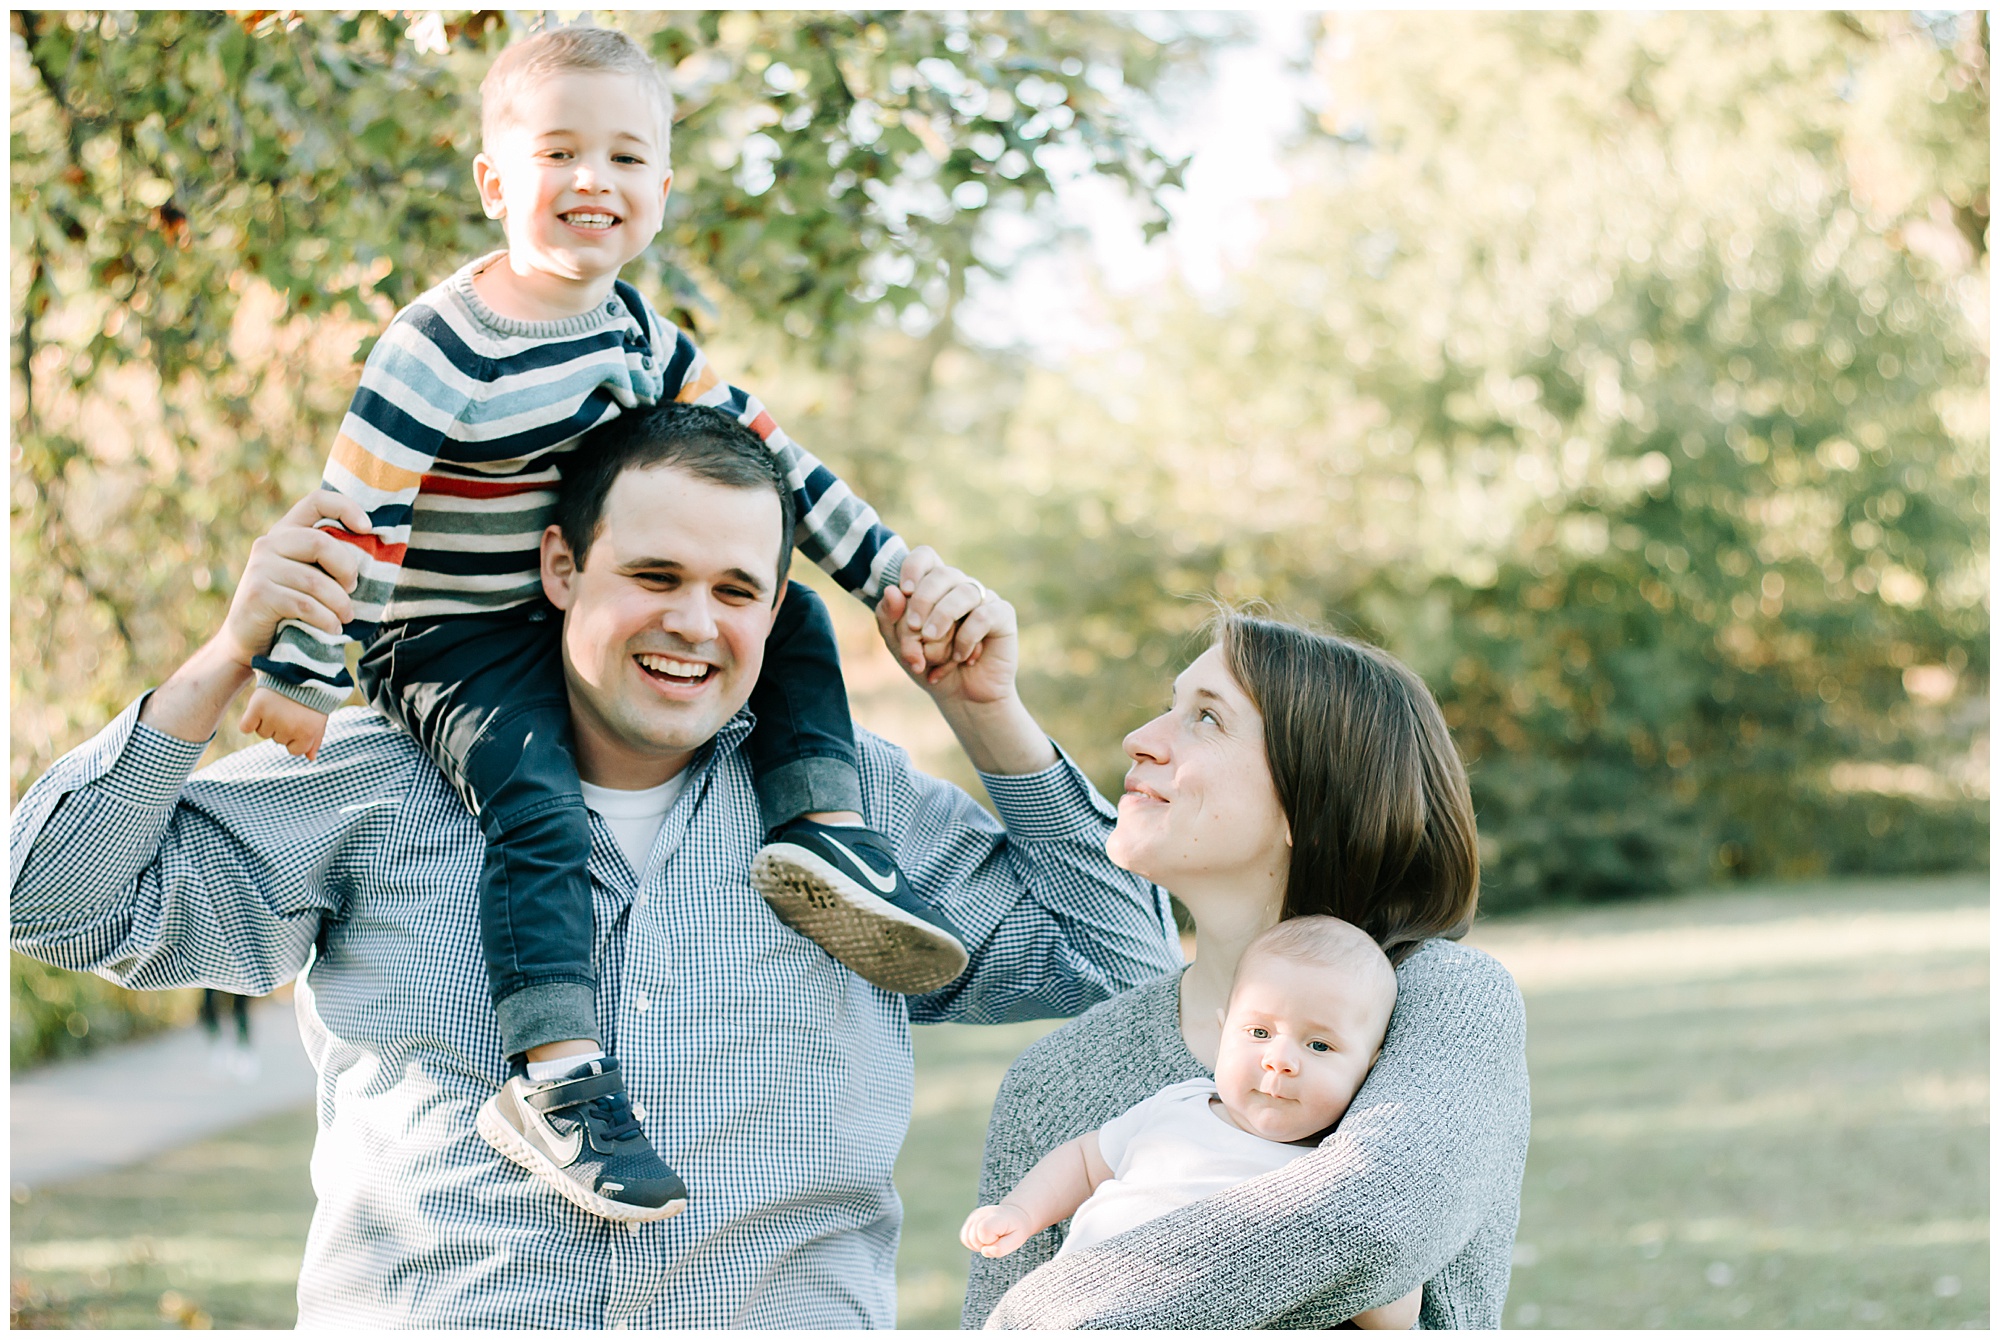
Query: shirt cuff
x=149, y=767
x=1047, y=806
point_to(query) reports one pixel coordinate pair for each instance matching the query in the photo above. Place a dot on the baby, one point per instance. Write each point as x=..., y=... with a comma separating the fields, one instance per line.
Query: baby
x=1307, y=1014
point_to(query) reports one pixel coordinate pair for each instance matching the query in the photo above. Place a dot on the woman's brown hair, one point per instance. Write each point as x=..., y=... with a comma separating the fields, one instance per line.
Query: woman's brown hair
x=1380, y=813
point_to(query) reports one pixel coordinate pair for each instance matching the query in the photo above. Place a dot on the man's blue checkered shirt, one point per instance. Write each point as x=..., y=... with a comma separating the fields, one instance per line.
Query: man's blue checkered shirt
x=773, y=1079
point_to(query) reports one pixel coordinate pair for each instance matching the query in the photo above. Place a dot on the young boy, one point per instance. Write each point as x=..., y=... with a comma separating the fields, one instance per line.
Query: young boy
x=454, y=446
x=1307, y=1014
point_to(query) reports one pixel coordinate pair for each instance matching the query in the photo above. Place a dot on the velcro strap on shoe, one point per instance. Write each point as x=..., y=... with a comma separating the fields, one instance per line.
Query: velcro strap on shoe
x=571, y=1092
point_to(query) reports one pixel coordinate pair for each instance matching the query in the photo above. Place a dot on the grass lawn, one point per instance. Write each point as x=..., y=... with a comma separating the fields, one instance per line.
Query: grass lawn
x=1761, y=1111
x=208, y=1235
x=1752, y=1109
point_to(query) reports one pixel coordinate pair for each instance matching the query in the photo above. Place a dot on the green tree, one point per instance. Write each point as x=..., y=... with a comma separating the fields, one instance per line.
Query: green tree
x=1627, y=375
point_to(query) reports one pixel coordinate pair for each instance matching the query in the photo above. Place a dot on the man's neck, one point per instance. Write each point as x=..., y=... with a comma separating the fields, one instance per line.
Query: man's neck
x=617, y=767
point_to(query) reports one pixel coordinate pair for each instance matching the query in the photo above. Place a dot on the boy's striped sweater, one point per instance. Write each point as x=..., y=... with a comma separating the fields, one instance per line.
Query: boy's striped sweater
x=453, y=446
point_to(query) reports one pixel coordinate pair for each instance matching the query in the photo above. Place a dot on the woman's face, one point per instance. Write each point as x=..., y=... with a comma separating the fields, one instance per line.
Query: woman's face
x=1199, y=808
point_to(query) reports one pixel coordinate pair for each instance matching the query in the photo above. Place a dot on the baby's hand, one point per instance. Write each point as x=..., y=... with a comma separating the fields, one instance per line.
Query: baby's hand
x=290, y=722
x=995, y=1230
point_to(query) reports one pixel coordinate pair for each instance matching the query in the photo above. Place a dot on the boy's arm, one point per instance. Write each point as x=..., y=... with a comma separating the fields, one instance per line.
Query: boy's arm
x=837, y=529
x=1050, y=1193
x=392, y=433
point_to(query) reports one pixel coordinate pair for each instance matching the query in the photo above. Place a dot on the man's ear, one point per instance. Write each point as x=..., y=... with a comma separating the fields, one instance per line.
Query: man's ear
x=666, y=186
x=558, y=568
x=486, y=176
x=779, y=603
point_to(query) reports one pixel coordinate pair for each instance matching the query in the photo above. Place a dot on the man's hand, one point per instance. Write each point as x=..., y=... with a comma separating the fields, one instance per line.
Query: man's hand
x=291, y=723
x=996, y=1230
x=296, y=571
x=953, y=636
x=937, y=628
x=969, y=671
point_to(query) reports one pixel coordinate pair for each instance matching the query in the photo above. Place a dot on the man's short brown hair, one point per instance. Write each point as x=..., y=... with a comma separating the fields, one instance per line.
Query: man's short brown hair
x=577, y=47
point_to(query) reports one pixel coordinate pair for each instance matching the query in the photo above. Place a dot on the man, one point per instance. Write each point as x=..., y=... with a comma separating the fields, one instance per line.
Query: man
x=776, y=1081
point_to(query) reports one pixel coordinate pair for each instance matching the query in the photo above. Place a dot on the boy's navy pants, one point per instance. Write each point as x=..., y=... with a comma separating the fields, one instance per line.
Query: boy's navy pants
x=484, y=695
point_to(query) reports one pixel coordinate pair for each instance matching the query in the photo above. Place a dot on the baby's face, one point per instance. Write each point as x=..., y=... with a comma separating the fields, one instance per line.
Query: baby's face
x=1297, y=1041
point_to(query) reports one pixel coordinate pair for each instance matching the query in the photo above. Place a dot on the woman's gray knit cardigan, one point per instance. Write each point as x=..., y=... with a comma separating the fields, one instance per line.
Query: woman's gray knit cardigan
x=1420, y=1184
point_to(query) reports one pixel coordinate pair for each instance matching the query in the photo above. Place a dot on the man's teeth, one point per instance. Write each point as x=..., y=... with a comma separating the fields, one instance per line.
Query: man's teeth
x=591, y=220
x=665, y=665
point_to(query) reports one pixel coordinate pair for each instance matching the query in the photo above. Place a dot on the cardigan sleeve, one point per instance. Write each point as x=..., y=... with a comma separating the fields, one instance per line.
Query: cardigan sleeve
x=1434, y=1144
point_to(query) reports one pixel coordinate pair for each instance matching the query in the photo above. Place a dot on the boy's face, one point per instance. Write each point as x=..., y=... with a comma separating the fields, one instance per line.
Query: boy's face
x=1297, y=1041
x=578, y=175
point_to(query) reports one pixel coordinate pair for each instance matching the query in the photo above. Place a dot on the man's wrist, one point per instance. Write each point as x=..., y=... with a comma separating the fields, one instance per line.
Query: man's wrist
x=1001, y=738
x=190, y=705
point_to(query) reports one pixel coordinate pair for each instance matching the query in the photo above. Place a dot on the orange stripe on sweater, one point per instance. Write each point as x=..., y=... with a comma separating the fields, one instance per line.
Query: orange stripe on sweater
x=696, y=389
x=370, y=469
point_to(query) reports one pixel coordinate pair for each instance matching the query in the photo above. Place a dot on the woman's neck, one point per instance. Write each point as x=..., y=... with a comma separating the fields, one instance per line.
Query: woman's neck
x=1219, y=946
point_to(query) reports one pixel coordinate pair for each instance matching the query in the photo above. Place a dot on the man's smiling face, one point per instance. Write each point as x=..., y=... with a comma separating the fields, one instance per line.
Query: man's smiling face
x=665, y=622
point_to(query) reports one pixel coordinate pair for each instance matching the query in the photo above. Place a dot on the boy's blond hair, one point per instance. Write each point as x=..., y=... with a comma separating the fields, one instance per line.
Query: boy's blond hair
x=1333, y=944
x=577, y=47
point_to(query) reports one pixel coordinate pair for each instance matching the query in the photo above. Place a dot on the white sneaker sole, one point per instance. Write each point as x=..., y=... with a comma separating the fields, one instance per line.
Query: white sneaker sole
x=883, y=944
x=497, y=1131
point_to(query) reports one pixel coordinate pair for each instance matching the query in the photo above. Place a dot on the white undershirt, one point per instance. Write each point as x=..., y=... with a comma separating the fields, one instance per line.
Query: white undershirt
x=635, y=816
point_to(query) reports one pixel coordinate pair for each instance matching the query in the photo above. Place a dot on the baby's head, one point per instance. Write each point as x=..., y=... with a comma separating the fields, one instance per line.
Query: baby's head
x=1306, y=1018
x=575, y=125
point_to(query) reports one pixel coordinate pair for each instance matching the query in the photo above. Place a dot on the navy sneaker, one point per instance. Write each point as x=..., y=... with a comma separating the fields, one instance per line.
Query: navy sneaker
x=581, y=1135
x=839, y=887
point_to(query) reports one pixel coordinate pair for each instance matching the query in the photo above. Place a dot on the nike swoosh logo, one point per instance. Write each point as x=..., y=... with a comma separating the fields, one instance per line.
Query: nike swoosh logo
x=882, y=883
x=563, y=1149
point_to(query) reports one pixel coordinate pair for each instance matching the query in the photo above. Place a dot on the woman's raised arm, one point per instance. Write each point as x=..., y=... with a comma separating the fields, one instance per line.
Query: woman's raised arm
x=1430, y=1153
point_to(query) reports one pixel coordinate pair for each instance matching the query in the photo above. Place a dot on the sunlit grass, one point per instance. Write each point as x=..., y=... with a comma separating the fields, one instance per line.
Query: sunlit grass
x=211, y=1234
x=1758, y=1109
x=1759, y=1112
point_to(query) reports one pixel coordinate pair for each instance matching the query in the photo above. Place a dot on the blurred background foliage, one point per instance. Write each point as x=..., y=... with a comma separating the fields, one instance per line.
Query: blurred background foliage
x=1625, y=374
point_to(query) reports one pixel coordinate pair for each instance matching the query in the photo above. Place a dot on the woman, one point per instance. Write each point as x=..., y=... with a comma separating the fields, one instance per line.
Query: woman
x=1296, y=773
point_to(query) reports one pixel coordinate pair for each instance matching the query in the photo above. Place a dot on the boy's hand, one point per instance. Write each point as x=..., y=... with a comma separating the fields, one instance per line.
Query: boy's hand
x=289, y=722
x=941, y=622
x=995, y=1230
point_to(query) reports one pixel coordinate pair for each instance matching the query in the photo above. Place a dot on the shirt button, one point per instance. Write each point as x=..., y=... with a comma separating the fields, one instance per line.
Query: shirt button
x=641, y=1004
x=611, y=308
